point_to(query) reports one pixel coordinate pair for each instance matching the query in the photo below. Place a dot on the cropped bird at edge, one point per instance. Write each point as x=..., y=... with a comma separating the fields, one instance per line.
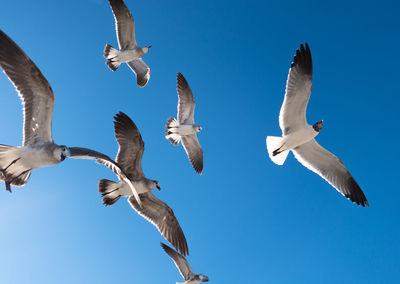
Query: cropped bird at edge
x=129, y=158
x=184, y=129
x=38, y=149
x=298, y=136
x=184, y=268
x=129, y=52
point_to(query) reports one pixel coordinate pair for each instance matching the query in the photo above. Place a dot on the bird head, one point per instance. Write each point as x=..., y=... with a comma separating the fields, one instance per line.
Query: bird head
x=62, y=152
x=318, y=126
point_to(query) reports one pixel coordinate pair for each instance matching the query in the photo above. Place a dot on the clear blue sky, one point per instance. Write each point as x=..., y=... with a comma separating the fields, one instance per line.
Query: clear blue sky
x=246, y=219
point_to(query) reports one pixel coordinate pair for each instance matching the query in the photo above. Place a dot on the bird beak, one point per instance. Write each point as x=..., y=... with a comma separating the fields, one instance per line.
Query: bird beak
x=158, y=187
x=149, y=46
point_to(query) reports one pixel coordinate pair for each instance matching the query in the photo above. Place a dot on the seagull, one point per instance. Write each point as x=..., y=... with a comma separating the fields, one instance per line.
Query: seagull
x=298, y=136
x=184, y=268
x=184, y=128
x=38, y=149
x=129, y=52
x=129, y=157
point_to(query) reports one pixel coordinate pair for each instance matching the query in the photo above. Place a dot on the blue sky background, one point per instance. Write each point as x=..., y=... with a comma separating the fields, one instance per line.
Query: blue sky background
x=246, y=219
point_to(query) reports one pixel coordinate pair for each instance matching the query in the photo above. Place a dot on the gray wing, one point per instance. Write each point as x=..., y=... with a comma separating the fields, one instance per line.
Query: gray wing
x=331, y=168
x=142, y=71
x=124, y=24
x=84, y=153
x=131, y=146
x=194, y=151
x=32, y=87
x=180, y=262
x=298, y=90
x=186, y=101
x=161, y=216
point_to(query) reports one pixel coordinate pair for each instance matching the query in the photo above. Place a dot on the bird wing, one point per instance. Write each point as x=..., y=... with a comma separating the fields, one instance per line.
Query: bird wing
x=186, y=101
x=142, y=71
x=180, y=262
x=331, y=168
x=131, y=146
x=194, y=151
x=33, y=89
x=84, y=153
x=124, y=24
x=161, y=215
x=298, y=90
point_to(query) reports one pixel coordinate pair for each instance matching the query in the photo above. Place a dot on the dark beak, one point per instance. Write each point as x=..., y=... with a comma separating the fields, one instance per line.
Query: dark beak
x=158, y=187
x=149, y=46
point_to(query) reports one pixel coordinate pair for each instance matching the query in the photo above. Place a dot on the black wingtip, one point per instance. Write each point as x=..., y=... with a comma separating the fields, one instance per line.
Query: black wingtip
x=303, y=59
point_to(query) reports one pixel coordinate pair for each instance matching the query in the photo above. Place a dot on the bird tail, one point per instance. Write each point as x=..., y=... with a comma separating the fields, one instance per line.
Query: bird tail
x=109, y=191
x=273, y=147
x=111, y=54
x=172, y=137
x=11, y=172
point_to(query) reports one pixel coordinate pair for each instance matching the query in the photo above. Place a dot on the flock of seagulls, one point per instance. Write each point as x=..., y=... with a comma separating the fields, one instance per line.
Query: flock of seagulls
x=39, y=149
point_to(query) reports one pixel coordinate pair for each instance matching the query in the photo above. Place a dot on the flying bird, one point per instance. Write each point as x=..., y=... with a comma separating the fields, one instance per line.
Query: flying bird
x=129, y=157
x=129, y=52
x=184, y=268
x=184, y=129
x=38, y=149
x=298, y=136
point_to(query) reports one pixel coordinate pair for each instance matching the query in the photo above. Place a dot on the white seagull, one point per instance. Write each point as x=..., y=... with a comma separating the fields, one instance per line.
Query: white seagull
x=129, y=52
x=38, y=149
x=129, y=157
x=184, y=268
x=184, y=128
x=298, y=136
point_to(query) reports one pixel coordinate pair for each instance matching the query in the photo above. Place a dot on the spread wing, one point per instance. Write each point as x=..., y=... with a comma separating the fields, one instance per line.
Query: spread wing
x=331, y=168
x=194, y=151
x=186, y=101
x=298, y=90
x=84, y=153
x=142, y=71
x=124, y=24
x=180, y=262
x=161, y=216
x=131, y=146
x=32, y=87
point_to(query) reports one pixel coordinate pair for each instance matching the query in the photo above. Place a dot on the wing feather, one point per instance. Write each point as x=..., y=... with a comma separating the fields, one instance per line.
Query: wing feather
x=186, y=102
x=331, y=168
x=194, y=151
x=131, y=146
x=298, y=90
x=161, y=215
x=124, y=24
x=33, y=89
x=142, y=71
x=180, y=262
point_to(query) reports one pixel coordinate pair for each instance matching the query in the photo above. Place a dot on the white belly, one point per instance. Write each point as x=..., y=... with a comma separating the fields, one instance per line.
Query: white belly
x=128, y=55
x=183, y=129
x=298, y=138
x=33, y=158
x=125, y=190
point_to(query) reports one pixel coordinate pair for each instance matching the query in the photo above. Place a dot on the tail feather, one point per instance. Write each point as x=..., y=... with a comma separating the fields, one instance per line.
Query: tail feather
x=109, y=191
x=111, y=53
x=273, y=147
x=11, y=172
x=172, y=137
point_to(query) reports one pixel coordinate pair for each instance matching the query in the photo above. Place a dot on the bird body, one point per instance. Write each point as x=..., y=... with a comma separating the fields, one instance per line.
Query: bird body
x=129, y=157
x=129, y=52
x=298, y=136
x=183, y=128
